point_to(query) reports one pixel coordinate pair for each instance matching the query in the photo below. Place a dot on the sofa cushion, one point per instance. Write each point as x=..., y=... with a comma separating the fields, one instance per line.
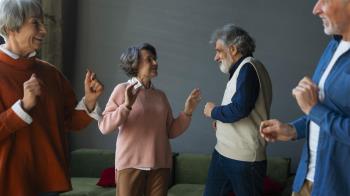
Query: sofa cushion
x=90, y=162
x=278, y=169
x=107, y=178
x=109, y=192
x=191, y=168
x=85, y=187
x=186, y=190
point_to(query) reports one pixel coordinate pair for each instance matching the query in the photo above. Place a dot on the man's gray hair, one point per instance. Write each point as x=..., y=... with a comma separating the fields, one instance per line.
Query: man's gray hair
x=231, y=34
x=13, y=13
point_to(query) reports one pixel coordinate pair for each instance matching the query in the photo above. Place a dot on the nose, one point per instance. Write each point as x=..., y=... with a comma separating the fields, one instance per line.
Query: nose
x=154, y=61
x=317, y=8
x=42, y=28
x=216, y=58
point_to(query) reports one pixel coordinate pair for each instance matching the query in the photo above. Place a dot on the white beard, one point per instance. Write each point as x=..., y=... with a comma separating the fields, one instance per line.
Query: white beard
x=226, y=65
x=224, y=68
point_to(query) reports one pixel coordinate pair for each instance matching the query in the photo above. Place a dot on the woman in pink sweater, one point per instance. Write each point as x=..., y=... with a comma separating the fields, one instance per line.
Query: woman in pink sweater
x=142, y=115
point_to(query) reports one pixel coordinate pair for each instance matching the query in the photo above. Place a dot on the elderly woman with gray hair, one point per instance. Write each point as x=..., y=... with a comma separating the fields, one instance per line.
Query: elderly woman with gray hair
x=143, y=116
x=37, y=107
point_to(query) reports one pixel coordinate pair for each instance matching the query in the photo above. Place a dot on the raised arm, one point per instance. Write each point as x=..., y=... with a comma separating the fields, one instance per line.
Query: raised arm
x=118, y=108
x=177, y=126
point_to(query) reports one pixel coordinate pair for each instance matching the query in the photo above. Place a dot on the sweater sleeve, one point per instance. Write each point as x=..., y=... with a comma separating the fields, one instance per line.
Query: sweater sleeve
x=73, y=119
x=115, y=113
x=300, y=125
x=334, y=124
x=10, y=122
x=176, y=126
x=243, y=101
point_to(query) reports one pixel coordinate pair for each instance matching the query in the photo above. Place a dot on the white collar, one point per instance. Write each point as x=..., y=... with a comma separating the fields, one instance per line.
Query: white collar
x=139, y=84
x=13, y=55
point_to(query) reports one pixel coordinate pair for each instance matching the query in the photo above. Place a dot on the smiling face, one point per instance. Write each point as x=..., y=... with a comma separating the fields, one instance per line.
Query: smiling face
x=28, y=38
x=335, y=16
x=148, y=66
x=222, y=56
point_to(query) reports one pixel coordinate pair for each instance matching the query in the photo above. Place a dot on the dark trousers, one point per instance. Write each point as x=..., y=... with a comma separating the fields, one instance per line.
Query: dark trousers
x=242, y=178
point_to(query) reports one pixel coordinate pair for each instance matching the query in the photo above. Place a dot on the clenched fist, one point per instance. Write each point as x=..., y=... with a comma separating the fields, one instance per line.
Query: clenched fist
x=93, y=90
x=31, y=91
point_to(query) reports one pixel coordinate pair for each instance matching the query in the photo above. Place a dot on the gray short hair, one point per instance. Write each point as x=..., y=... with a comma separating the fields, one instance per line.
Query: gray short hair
x=130, y=58
x=231, y=34
x=13, y=14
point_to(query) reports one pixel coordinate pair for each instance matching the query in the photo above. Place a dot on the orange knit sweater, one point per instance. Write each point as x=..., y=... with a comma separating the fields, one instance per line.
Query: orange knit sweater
x=33, y=157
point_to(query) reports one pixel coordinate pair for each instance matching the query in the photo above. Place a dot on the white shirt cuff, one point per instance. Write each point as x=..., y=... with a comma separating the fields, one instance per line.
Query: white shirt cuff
x=96, y=114
x=17, y=108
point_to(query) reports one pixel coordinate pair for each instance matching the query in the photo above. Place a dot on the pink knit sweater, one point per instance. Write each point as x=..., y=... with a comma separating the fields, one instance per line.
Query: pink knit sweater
x=144, y=132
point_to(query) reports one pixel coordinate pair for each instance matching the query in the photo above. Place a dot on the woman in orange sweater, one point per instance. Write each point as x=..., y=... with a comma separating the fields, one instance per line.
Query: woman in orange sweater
x=145, y=122
x=37, y=107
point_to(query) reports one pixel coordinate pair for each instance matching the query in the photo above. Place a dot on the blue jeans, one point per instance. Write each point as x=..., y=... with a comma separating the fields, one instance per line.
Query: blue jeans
x=243, y=178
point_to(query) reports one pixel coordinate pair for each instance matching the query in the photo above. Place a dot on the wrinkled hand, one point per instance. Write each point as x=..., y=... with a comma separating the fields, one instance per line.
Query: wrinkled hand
x=306, y=94
x=131, y=95
x=272, y=130
x=209, y=106
x=93, y=90
x=31, y=91
x=192, y=101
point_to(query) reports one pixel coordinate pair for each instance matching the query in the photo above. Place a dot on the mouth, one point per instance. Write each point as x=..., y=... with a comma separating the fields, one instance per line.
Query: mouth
x=324, y=20
x=155, y=68
x=39, y=39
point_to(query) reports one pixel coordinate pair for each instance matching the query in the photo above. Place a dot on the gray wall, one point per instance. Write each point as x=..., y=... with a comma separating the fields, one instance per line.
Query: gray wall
x=289, y=42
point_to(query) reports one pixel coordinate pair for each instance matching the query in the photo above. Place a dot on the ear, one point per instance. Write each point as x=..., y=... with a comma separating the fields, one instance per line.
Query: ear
x=9, y=31
x=233, y=50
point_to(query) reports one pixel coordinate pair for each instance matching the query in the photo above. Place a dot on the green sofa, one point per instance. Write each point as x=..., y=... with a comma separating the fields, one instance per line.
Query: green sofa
x=189, y=174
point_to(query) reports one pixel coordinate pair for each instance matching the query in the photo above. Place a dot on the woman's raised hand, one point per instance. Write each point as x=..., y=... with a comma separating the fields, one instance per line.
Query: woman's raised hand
x=130, y=95
x=192, y=101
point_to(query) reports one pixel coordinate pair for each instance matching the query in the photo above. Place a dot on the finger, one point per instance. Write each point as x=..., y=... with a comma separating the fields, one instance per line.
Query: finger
x=33, y=89
x=309, y=81
x=263, y=124
x=267, y=123
x=130, y=87
x=307, y=86
x=269, y=131
x=98, y=84
x=37, y=91
x=136, y=92
x=40, y=82
x=99, y=88
x=32, y=78
x=94, y=84
x=92, y=76
x=87, y=76
x=32, y=84
x=298, y=90
x=196, y=91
